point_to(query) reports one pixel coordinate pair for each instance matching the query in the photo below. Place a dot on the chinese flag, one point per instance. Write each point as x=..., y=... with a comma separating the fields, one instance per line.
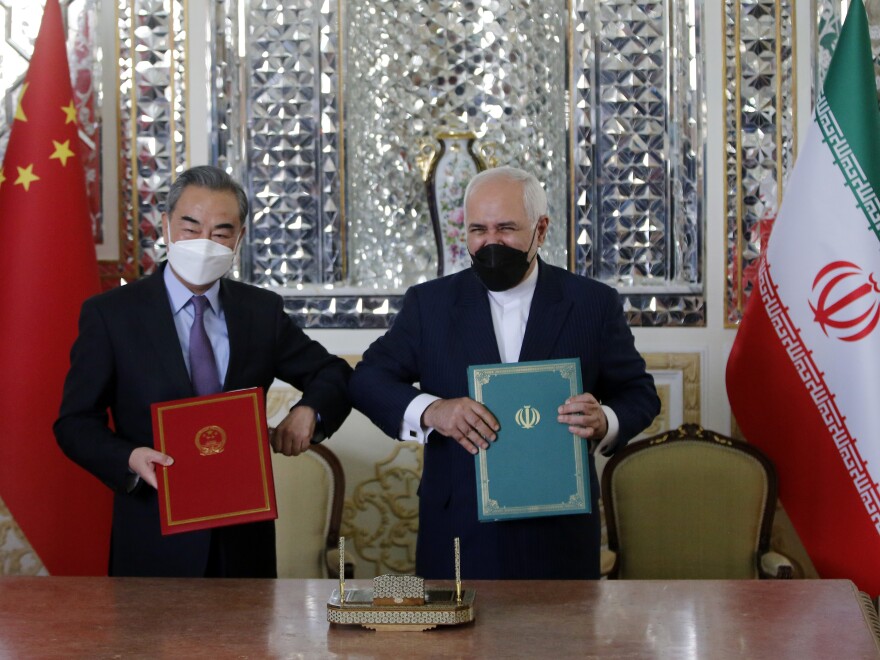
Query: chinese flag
x=47, y=269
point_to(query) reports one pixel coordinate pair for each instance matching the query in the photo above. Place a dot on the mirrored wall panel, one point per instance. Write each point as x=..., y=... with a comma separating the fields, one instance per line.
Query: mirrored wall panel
x=350, y=103
x=761, y=89
x=356, y=124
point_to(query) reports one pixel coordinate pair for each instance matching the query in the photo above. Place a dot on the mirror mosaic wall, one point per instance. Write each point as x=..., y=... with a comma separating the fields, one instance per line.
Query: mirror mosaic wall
x=760, y=129
x=581, y=93
x=325, y=110
x=761, y=119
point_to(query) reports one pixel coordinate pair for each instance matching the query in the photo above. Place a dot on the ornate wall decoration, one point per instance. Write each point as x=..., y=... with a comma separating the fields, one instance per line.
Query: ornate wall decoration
x=342, y=226
x=17, y=557
x=153, y=110
x=623, y=191
x=661, y=421
x=761, y=138
x=428, y=68
x=381, y=518
x=761, y=118
x=637, y=155
x=291, y=145
x=689, y=365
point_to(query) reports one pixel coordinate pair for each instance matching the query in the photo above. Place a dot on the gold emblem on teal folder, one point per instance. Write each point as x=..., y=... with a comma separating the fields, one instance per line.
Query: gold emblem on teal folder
x=536, y=467
x=527, y=417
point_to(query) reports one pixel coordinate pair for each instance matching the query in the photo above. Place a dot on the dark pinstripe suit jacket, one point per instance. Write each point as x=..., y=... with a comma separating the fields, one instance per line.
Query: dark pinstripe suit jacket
x=126, y=357
x=443, y=327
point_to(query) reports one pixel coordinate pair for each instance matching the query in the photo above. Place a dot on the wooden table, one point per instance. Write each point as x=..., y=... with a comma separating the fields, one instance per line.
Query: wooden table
x=129, y=617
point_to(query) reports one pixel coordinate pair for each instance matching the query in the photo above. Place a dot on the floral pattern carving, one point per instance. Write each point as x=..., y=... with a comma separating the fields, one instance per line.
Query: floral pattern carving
x=382, y=516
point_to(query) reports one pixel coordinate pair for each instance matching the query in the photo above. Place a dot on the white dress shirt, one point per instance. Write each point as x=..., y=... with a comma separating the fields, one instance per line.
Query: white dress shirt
x=510, y=314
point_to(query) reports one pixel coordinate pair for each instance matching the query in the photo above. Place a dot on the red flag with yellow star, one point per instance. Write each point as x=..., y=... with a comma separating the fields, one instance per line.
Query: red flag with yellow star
x=48, y=268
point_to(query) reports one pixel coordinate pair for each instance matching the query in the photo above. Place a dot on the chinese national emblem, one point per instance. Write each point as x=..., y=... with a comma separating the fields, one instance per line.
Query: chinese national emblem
x=527, y=417
x=845, y=301
x=211, y=440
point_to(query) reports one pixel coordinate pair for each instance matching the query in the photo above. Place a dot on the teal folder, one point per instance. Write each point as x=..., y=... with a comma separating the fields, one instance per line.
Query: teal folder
x=535, y=467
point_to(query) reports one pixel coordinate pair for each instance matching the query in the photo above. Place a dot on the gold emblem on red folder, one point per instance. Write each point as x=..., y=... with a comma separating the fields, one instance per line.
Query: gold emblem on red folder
x=211, y=440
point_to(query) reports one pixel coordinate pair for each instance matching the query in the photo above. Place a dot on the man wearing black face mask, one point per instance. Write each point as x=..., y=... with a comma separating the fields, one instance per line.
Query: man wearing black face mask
x=508, y=307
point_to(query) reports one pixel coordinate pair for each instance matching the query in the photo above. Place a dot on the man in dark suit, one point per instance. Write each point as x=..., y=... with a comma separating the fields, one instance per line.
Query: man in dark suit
x=508, y=307
x=140, y=344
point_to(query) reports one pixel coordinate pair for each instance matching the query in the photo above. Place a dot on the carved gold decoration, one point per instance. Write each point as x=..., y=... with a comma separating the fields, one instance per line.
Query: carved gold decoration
x=488, y=151
x=382, y=516
x=17, y=557
x=689, y=366
x=661, y=421
x=425, y=156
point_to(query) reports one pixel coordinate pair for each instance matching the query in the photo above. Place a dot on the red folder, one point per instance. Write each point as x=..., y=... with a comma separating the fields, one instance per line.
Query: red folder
x=222, y=471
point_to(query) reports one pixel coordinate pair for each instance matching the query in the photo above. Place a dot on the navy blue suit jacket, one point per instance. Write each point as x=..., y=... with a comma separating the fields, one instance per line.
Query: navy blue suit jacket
x=443, y=327
x=128, y=356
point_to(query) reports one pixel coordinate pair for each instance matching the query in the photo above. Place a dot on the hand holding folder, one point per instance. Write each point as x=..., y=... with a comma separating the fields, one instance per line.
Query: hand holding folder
x=537, y=466
x=222, y=471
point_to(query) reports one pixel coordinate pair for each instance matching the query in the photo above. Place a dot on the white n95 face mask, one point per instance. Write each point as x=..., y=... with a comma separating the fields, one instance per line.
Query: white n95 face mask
x=200, y=261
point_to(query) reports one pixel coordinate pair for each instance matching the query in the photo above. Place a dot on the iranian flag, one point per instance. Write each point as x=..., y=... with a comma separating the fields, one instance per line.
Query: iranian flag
x=803, y=376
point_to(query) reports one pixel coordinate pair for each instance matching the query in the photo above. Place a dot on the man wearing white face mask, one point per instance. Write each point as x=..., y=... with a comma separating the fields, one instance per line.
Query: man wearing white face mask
x=147, y=342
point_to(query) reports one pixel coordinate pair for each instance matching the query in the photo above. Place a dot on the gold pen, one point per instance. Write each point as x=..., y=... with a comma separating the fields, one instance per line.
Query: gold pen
x=457, y=572
x=341, y=570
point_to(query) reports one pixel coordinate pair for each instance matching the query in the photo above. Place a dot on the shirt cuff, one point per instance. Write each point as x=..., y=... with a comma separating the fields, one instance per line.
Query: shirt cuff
x=411, y=427
x=606, y=444
x=132, y=480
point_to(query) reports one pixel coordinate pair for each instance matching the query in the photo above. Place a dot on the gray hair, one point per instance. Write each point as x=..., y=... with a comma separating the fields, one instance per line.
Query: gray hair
x=212, y=178
x=534, y=198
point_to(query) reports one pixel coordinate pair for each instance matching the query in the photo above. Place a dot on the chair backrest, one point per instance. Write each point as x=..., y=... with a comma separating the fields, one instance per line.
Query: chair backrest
x=309, y=492
x=688, y=503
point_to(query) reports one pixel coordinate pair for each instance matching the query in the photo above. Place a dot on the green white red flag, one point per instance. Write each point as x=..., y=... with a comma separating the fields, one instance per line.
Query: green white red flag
x=47, y=270
x=803, y=376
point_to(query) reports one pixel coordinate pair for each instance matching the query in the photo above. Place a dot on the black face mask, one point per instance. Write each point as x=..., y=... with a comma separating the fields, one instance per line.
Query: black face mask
x=501, y=267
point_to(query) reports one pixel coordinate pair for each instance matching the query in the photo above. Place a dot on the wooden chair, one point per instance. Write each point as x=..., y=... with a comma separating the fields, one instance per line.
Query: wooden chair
x=691, y=503
x=310, y=492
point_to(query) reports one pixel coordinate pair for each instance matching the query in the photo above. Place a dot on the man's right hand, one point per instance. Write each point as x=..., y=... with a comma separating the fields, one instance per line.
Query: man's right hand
x=143, y=461
x=469, y=423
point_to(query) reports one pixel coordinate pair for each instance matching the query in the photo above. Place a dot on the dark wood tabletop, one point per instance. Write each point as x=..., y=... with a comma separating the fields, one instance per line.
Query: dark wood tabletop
x=133, y=617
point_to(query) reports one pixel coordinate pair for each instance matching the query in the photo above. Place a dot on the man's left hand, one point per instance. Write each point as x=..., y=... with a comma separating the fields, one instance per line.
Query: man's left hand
x=294, y=434
x=584, y=416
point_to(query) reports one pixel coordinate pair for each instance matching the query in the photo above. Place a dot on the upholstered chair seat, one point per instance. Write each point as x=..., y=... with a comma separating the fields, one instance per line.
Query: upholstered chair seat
x=691, y=503
x=309, y=491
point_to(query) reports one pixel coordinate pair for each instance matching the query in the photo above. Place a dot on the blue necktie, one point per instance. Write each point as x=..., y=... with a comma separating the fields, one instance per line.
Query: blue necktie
x=202, y=365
